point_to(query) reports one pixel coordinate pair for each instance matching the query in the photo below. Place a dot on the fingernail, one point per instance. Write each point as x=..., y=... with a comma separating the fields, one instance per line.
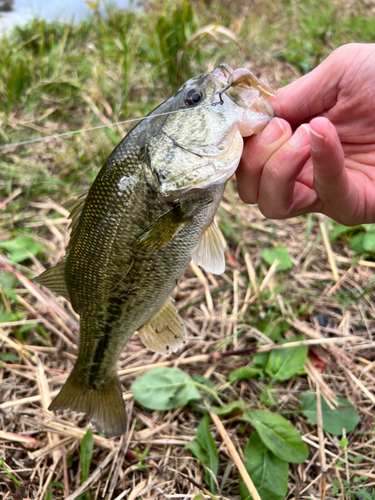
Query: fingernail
x=301, y=138
x=272, y=132
x=316, y=141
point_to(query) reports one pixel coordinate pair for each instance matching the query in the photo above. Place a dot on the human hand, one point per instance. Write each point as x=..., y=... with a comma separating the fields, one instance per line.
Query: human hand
x=328, y=164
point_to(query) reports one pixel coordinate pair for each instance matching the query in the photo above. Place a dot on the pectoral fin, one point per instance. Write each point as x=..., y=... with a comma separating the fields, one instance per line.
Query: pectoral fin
x=165, y=332
x=209, y=253
x=160, y=232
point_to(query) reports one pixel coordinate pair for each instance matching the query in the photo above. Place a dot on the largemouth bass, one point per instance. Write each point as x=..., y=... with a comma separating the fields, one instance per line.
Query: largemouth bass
x=149, y=212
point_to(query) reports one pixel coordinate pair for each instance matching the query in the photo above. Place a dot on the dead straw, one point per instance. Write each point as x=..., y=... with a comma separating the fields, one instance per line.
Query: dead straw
x=235, y=456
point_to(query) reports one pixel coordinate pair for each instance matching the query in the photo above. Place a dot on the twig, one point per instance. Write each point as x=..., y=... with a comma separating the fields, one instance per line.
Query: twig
x=369, y=394
x=250, y=351
x=236, y=274
x=49, y=478
x=204, y=282
x=251, y=272
x=78, y=433
x=337, y=285
x=94, y=476
x=24, y=401
x=46, y=401
x=65, y=472
x=5, y=202
x=34, y=399
x=328, y=247
x=28, y=440
x=47, y=449
x=271, y=272
x=194, y=482
x=234, y=454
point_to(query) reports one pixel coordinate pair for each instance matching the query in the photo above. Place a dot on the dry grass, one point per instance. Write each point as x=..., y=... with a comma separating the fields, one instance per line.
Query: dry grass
x=35, y=443
x=326, y=295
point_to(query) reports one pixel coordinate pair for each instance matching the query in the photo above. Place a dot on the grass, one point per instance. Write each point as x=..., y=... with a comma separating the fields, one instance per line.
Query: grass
x=56, y=78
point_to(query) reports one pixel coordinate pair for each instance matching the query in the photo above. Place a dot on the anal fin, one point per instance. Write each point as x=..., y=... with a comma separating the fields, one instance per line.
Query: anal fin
x=209, y=253
x=105, y=407
x=165, y=332
x=54, y=279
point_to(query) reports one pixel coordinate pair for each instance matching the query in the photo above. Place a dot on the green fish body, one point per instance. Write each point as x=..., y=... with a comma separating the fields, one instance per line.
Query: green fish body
x=148, y=213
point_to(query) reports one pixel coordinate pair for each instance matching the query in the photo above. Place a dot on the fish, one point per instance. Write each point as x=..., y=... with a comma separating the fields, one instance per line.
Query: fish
x=149, y=212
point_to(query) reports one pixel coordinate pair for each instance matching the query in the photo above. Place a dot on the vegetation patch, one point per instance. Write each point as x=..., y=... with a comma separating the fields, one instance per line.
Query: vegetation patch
x=278, y=349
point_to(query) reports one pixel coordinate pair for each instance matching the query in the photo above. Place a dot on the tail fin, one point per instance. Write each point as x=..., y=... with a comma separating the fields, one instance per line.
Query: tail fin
x=104, y=407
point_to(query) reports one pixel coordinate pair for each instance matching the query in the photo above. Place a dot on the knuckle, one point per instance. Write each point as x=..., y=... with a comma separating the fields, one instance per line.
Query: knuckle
x=268, y=210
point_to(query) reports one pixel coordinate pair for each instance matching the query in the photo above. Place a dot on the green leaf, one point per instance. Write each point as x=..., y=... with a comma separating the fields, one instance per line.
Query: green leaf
x=356, y=243
x=10, y=293
x=369, y=242
x=343, y=442
x=7, y=279
x=345, y=416
x=203, y=380
x=19, y=248
x=285, y=363
x=11, y=316
x=260, y=360
x=281, y=254
x=278, y=435
x=57, y=484
x=87, y=447
x=239, y=404
x=269, y=396
x=164, y=389
x=244, y=373
x=205, y=450
x=8, y=356
x=197, y=450
x=274, y=332
x=268, y=472
x=48, y=494
x=339, y=229
x=208, y=444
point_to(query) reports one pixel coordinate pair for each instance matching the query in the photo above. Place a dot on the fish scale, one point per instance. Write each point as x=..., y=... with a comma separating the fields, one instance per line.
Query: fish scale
x=149, y=211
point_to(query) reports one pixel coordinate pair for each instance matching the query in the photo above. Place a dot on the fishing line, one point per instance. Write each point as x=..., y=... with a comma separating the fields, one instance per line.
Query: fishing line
x=80, y=131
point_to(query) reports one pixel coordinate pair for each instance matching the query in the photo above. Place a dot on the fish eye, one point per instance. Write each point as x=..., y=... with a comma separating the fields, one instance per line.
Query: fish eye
x=193, y=97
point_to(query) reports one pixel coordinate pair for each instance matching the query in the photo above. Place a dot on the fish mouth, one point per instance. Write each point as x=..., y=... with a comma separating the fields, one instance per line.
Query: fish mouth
x=241, y=86
x=222, y=74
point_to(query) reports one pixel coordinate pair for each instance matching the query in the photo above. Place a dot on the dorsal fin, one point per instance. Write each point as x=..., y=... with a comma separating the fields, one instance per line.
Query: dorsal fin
x=165, y=332
x=75, y=214
x=54, y=278
x=209, y=253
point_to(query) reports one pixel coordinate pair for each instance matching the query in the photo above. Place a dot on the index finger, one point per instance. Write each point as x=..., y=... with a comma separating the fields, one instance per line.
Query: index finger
x=257, y=151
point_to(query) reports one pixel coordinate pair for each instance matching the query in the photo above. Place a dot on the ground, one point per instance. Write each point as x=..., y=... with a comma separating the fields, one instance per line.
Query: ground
x=60, y=78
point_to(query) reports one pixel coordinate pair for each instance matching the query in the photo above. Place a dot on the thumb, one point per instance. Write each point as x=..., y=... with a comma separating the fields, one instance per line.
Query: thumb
x=331, y=181
x=312, y=94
